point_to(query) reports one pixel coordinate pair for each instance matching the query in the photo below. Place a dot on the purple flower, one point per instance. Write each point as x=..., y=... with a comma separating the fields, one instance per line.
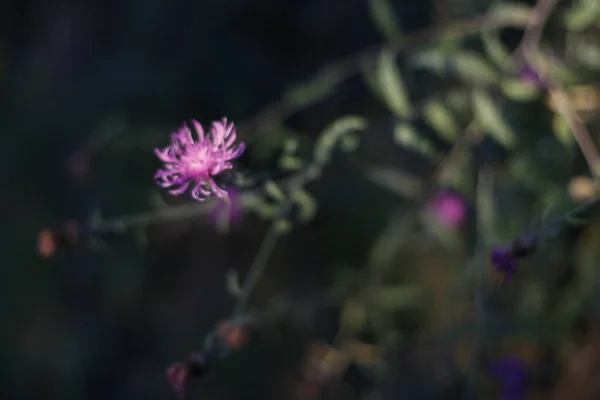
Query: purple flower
x=449, y=208
x=190, y=162
x=530, y=75
x=504, y=261
x=512, y=374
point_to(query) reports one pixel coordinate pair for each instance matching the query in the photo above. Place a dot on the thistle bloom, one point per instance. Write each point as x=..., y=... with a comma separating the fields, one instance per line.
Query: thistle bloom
x=449, y=208
x=189, y=162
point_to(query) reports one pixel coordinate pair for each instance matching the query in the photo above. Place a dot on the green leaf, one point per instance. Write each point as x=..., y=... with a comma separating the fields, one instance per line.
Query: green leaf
x=562, y=131
x=490, y=118
x=397, y=297
x=582, y=16
x=494, y=48
x=517, y=12
x=333, y=134
x=434, y=60
x=273, y=190
x=384, y=18
x=440, y=118
x=283, y=226
x=392, y=86
x=311, y=92
x=588, y=54
x=306, y=203
x=519, y=90
x=405, y=135
x=471, y=66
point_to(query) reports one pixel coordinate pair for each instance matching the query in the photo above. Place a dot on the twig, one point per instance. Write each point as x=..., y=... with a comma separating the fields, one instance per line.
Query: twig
x=528, y=50
x=354, y=64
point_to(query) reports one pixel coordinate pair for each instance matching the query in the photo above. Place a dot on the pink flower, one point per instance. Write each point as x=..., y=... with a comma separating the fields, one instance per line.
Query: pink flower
x=189, y=162
x=449, y=208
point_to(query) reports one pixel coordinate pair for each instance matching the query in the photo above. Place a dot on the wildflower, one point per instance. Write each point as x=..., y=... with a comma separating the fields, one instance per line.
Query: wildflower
x=449, y=208
x=512, y=374
x=530, y=75
x=190, y=162
x=504, y=261
x=233, y=336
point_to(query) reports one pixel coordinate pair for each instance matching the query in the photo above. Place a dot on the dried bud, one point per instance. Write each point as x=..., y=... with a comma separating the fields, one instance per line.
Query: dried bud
x=231, y=335
x=51, y=240
x=177, y=375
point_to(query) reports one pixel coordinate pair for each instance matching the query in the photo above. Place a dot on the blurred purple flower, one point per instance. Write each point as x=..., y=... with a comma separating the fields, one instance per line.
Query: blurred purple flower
x=512, y=374
x=188, y=161
x=504, y=261
x=450, y=208
x=234, y=211
x=530, y=75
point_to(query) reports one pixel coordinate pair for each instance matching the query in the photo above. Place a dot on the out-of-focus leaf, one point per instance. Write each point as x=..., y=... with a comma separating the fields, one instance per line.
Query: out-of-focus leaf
x=396, y=181
x=310, y=93
x=558, y=72
x=306, y=203
x=283, y=226
x=473, y=67
x=490, y=118
x=291, y=163
x=397, y=297
x=520, y=90
x=513, y=11
x=233, y=284
x=334, y=132
x=392, y=86
x=588, y=54
x=440, y=118
x=354, y=316
x=434, y=60
x=406, y=136
x=290, y=146
x=273, y=190
x=384, y=18
x=494, y=48
x=349, y=143
x=562, y=131
x=582, y=16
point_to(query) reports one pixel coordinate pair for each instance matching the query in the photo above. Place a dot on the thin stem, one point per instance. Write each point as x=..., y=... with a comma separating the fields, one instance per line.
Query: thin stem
x=148, y=218
x=529, y=51
x=259, y=263
x=354, y=64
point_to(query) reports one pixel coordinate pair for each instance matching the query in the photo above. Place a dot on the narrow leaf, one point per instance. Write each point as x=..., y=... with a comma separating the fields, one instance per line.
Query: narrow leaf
x=519, y=90
x=440, y=118
x=384, y=18
x=490, y=118
x=473, y=67
x=392, y=86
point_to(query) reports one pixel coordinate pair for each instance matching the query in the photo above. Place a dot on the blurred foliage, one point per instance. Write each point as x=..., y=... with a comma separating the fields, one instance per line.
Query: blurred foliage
x=373, y=277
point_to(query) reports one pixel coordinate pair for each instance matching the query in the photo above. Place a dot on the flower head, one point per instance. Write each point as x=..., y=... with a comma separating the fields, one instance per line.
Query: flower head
x=449, y=208
x=195, y=163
